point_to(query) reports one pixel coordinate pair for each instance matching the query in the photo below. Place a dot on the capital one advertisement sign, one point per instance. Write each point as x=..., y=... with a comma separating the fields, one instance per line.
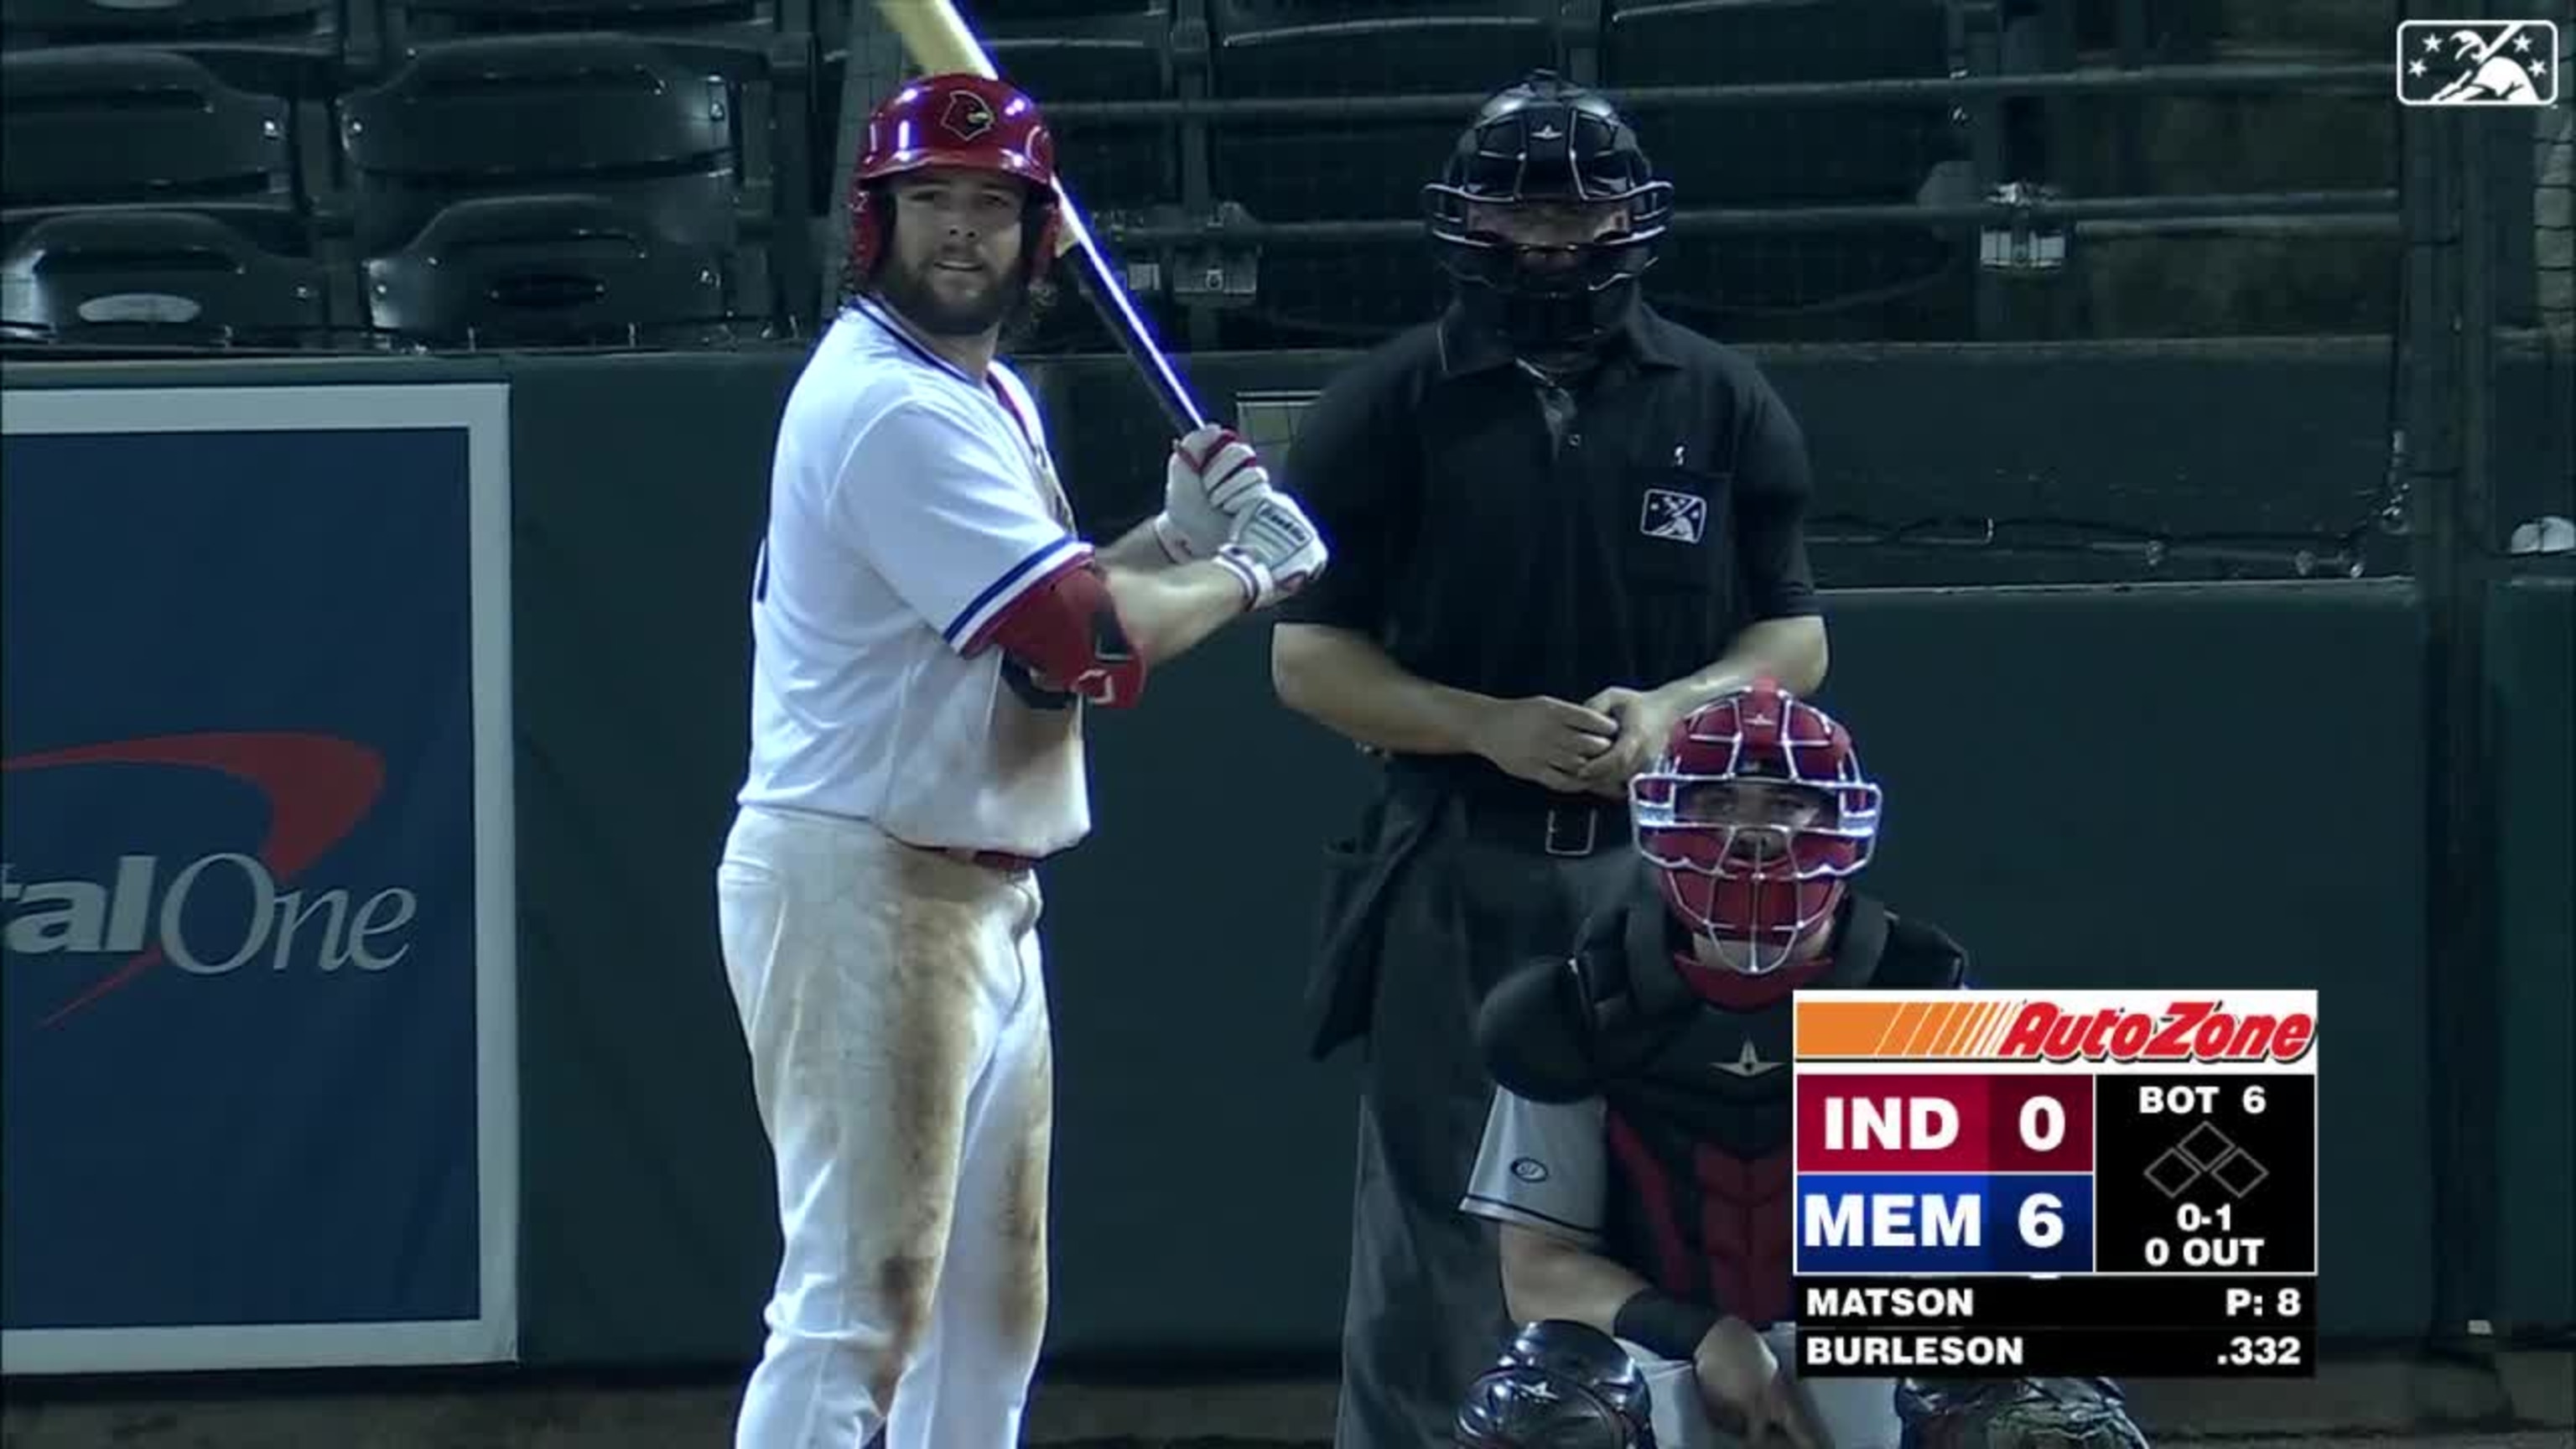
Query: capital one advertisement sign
x=257, y=1036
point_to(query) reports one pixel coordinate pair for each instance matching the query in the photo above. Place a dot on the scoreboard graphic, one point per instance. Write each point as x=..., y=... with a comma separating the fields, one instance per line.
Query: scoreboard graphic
x=2000, y=1183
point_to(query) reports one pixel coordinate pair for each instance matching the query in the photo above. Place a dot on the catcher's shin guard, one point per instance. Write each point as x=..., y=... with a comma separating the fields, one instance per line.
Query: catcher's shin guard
x=2061, y=1413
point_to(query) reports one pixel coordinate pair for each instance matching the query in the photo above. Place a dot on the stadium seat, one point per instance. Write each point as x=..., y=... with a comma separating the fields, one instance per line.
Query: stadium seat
x=1819, y=283
x=102, y=125
x=132, y=276
x=753, y=23
x=295, y=48
x=601, y=114
x=309, y=24
x=564, y=270
x=269, y=228
x=753, y=43
x=1304, y=170
x=648, y=125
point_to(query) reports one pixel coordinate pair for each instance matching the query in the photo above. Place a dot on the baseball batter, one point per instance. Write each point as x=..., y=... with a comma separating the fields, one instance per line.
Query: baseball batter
x=928, y=627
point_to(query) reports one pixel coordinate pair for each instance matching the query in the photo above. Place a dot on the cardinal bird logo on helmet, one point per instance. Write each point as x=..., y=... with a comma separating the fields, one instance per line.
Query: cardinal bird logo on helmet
x=968, y=115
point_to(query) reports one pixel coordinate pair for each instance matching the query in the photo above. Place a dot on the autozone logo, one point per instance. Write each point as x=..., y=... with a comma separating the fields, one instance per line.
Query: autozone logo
x=2198, y=1031
x=224, y=910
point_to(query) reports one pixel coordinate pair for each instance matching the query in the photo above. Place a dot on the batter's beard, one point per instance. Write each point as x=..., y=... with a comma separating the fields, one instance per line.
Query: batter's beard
x=909, y=292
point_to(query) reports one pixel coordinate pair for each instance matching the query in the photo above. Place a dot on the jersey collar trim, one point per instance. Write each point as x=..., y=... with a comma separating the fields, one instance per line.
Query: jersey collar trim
x=909, y=340
x=896, y=328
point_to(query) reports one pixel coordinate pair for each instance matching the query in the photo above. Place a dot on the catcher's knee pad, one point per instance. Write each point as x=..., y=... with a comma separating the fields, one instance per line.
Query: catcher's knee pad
x=1561, y=1385
x=2059, y=1413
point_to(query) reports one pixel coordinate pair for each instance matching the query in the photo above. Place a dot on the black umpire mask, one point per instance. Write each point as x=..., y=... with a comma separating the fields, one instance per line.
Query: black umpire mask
x=1553, y=154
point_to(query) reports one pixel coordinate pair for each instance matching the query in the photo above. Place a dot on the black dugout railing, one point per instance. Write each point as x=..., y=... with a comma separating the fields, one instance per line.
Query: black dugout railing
x=2138, y=213
x=2377, y=204
x=1456, y=105
x=1998, y=201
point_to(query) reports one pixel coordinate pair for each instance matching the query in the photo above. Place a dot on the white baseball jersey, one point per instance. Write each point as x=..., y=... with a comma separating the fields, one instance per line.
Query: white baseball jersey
x=910, y=505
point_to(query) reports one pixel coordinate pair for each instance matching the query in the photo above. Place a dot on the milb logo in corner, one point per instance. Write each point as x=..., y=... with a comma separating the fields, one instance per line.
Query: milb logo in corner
x=2477, y=63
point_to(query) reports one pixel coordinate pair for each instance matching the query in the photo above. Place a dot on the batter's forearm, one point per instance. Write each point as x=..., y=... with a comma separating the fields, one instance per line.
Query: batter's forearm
x=1167, y=612
x=1348, y=684
x=1138, y=550
x=1790, y=651
x=1544, y=1277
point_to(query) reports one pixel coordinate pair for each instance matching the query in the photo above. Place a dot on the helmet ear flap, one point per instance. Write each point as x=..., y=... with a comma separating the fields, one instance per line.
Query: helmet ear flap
x=871, y=230
x=1040, y=235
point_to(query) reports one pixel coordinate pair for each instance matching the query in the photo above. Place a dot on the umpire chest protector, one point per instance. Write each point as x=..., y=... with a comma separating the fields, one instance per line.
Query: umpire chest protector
x=1699, y=1097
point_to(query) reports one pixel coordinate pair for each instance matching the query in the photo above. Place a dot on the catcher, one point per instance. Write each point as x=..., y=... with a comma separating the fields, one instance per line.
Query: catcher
x=1637, y=1154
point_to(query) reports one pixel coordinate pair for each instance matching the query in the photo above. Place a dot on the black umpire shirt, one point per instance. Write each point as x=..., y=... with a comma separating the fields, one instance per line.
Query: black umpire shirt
x=1495, y=534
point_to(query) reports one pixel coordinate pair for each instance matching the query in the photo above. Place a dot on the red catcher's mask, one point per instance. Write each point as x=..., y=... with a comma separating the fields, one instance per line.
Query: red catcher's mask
x=1755, y=817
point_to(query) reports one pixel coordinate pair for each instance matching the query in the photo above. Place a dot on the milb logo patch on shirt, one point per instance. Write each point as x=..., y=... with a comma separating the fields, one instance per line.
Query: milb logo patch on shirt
x=1682, y=517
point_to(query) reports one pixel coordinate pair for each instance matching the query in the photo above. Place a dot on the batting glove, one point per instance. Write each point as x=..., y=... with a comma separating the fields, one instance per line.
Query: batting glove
x=1274, y=550
x=1213, y=478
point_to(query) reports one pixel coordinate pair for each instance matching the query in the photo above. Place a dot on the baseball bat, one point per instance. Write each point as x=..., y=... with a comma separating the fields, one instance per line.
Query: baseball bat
x=937, y=39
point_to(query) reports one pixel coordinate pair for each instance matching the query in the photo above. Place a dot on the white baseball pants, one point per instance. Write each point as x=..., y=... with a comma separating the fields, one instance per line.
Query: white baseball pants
x=895, y=1010
x=1854, y=1413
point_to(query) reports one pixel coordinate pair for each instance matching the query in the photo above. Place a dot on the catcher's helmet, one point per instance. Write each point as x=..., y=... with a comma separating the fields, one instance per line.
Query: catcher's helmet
x=964, y=122
x=1546, y=140
x=1561, y=1385
x=1755, y=815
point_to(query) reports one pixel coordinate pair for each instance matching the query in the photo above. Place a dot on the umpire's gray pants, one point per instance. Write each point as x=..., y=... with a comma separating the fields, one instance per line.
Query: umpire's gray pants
x=1425, y=1312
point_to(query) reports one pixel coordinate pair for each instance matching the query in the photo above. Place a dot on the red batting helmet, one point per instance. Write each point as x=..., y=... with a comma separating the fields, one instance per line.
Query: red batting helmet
x=1756, y=815
x=962, y=121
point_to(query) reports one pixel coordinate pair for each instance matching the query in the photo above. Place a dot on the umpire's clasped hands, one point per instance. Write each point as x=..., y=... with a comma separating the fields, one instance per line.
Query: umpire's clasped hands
x=1590, y=748
x=1543, y=740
